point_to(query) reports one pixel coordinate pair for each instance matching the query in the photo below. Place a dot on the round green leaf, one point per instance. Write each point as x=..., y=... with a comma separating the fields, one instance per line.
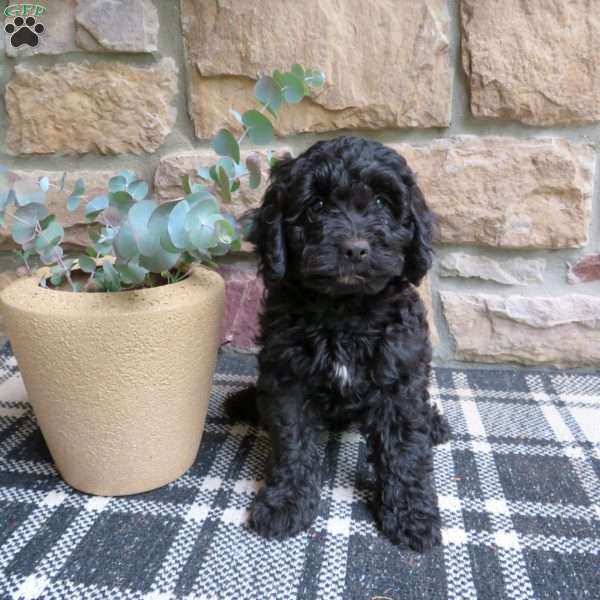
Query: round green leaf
x=25, y=220
x=128, y=176
x=31, y=214
x=51, y=255
x=138, y=189
x=79, y=187
x=225, y=231
x=49, y=237
x=298, y=71
x=200, y=212
x=204, y=172
x=314, y=79
x=121, y=200
x=112, y=281
x=117, y=183
x=293, y=90
x=124, y=243
x=224, y=144
x=139, y=216
x=103, y=240
x=198, y=188
x=131, y=273
x=44, y=184
x=73, y=202
x=196, y=197
x=176, y=227
x=87, y=264
x=268, y=93
x=259, y=127
x=57, y=279
x=161, y=261
x=158, y=226
x=278, y=77
x=204, y=235
x=95, y=206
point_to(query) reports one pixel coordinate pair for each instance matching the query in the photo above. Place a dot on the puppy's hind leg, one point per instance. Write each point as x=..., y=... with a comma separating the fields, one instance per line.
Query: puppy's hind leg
x=289, y=501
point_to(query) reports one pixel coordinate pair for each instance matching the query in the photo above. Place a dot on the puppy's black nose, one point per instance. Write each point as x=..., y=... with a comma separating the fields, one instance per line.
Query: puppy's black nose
x=355, y=250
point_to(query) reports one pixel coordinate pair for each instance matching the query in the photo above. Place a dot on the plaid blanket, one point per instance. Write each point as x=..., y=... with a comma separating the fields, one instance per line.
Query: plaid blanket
x=518, y=485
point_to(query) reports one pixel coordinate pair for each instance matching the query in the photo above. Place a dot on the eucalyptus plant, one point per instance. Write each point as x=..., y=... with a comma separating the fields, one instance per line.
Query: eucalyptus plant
x=135, y=241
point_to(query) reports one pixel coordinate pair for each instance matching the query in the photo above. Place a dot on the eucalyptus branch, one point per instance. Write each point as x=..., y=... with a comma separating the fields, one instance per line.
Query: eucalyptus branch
x=148, y=243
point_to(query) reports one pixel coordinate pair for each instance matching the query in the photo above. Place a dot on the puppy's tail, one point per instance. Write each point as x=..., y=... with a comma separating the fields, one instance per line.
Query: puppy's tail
x=241, y=406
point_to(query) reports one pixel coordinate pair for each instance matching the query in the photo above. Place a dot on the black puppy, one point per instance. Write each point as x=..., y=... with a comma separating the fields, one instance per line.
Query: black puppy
x=343, y=235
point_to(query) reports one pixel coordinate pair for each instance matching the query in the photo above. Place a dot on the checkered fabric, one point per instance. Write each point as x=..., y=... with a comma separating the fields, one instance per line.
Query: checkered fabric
x=519, y=490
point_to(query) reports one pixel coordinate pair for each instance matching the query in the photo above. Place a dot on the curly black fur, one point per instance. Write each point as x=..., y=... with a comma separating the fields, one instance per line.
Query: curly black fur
x=343, y=234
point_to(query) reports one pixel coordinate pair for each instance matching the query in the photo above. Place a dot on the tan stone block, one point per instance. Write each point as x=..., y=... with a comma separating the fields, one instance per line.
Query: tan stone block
x=386, y=62
x=516, y=271
x=562, y=331
x=76, y=108
x=532, y=61
x=117, y=26
x=504, y=192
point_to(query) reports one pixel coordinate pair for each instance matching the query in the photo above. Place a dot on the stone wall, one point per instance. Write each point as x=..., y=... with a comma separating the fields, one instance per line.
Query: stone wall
x=495, y=104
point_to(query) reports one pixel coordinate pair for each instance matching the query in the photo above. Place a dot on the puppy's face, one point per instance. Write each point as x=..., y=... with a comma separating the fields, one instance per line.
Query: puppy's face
x=345, y=217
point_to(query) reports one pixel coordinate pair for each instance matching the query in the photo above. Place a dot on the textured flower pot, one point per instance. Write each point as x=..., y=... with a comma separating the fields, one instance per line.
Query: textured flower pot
x=119, y=382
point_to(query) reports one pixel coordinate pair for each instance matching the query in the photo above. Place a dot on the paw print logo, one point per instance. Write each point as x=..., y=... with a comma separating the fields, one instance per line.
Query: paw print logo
x=24, y=31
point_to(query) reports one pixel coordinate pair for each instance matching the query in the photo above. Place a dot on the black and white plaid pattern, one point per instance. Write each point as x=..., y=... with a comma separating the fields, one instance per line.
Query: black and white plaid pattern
x=519, y=490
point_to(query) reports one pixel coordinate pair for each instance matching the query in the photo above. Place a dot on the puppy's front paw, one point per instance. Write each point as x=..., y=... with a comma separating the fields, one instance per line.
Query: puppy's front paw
x=278, y=513
x=412, y=529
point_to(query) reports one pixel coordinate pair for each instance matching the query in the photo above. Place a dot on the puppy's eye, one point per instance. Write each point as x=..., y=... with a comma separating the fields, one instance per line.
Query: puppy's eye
x=318, y=205
x=380, y=201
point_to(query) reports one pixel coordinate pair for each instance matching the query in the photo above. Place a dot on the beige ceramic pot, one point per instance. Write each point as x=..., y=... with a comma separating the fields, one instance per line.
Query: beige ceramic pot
x=119, y=382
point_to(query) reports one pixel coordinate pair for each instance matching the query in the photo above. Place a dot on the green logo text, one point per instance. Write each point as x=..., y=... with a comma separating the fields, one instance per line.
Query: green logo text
x=24, y=10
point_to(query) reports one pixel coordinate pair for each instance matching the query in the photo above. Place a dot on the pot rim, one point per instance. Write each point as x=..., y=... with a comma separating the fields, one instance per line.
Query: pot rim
x=26, y=294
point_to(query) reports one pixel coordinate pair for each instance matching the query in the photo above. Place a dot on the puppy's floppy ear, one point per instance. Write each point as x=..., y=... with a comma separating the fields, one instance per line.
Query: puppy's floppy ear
x=419, y=252
x=266, y=230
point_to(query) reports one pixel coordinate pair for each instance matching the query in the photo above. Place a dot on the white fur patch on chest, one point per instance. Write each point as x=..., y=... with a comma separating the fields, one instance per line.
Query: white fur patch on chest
x=341, y=373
